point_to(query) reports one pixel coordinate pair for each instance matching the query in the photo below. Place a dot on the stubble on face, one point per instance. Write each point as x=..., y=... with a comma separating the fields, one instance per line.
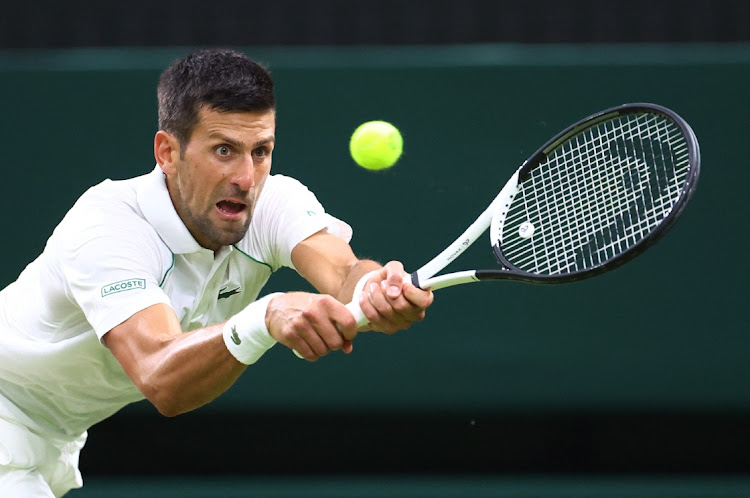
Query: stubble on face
x=225, y=234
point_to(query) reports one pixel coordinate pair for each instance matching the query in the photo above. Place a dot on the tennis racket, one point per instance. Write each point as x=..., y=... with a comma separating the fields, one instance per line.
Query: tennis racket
x=592, y=198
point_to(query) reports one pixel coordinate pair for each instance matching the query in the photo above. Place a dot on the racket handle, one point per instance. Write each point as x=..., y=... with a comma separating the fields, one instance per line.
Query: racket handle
x=355, y=310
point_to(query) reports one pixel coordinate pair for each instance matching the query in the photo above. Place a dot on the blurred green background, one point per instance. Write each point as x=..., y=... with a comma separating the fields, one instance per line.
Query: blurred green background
x=667, y=332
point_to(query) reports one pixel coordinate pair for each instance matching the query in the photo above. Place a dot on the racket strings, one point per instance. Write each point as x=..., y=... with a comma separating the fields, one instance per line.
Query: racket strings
x=597, y=194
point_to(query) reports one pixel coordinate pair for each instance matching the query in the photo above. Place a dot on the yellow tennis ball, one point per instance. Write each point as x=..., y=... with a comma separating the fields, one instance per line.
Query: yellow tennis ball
x=376, y=145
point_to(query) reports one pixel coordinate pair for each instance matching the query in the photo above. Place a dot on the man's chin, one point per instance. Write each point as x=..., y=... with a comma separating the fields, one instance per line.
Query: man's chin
x=220, y=233
x=229, y=238
x=215, y=239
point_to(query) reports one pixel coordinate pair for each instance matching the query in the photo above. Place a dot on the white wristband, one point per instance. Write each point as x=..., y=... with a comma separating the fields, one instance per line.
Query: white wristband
x=246, y=335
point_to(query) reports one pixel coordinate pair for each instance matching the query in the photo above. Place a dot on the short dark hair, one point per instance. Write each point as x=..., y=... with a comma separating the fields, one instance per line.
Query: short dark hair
x=221, y=79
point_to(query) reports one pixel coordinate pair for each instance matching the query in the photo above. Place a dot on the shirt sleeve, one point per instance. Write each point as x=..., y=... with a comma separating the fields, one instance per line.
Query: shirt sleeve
x=113, y=273
x=286, y=214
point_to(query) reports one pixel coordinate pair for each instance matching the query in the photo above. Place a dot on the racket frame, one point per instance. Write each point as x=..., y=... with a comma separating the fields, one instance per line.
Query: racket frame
x=494, y=216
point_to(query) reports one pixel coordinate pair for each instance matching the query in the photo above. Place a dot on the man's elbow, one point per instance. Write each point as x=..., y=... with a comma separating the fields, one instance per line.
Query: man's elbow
x=165, y=401
x=169, y=410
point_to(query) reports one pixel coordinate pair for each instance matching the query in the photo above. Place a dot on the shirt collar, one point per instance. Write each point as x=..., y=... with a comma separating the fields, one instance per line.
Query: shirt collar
x=156, y=204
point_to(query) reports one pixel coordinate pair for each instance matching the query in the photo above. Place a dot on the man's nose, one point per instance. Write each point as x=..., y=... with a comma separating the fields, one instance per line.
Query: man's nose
x=244, y=176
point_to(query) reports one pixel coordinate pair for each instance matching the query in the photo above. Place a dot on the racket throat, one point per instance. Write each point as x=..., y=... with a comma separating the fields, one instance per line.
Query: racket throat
x=486, y=275
x=449, y=280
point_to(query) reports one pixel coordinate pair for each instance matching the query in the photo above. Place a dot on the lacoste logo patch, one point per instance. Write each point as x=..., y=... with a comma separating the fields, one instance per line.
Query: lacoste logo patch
x=123, y=285
x=235, y=337
x=224, y=293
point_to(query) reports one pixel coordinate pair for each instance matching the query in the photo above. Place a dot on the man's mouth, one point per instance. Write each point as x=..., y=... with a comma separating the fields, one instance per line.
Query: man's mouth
x=230, y=208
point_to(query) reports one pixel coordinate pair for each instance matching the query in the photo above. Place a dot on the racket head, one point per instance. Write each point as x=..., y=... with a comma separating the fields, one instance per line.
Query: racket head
x=596, y=195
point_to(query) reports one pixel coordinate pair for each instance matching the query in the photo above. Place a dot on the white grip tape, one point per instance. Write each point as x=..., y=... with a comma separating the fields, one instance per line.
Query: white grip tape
x=353, y=306
x=246, y=335
x=355, y=310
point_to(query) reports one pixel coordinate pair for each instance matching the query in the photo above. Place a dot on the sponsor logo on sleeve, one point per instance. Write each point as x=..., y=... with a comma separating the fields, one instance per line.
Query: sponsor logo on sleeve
x=123, y=285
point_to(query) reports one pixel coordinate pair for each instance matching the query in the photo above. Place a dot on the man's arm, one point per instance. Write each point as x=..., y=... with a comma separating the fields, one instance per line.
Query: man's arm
x=180, y=371
x=389, y=302
x=175, y=371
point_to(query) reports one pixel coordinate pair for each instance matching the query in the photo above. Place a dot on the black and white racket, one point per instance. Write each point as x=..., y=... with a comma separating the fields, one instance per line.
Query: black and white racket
x=592, y=198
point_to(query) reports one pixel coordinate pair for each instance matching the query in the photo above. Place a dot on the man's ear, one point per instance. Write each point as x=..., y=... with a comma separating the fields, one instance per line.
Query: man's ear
x=166, y=151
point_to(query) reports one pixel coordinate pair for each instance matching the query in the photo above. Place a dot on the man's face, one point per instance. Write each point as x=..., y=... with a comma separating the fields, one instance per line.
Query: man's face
x=215, y=184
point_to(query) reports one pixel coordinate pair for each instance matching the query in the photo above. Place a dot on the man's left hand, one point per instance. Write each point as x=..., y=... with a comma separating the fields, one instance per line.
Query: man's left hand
x=391, y=302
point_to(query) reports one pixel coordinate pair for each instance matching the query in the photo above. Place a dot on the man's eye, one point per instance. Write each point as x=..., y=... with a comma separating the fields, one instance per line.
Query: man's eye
x=223, y=150
x=261, y=152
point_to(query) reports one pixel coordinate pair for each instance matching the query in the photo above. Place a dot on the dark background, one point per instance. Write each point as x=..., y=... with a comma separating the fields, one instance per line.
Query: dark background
x=141, y=23
x=640, y=370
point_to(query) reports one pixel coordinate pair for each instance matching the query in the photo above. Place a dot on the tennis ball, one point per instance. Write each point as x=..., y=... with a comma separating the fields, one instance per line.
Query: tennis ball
x=376, y=145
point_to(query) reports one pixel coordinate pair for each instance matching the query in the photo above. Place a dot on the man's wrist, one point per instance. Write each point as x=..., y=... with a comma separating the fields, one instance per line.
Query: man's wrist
x=246, y=334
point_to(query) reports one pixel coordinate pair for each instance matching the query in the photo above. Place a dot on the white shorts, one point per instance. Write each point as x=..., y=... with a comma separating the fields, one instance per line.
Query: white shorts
x=32, y=466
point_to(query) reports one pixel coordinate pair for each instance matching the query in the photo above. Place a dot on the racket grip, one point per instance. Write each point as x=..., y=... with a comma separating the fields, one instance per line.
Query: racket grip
x=355, y=310
x=353, y=306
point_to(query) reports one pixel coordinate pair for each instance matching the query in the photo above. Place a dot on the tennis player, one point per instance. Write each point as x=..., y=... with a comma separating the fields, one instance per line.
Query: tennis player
x=149, y=286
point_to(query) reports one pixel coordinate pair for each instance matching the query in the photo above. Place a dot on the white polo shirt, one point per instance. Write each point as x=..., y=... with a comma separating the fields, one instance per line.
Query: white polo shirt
x=120, y=249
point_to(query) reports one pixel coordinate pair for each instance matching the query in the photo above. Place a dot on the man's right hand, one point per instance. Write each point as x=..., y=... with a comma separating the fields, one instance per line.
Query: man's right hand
x=311, y=324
